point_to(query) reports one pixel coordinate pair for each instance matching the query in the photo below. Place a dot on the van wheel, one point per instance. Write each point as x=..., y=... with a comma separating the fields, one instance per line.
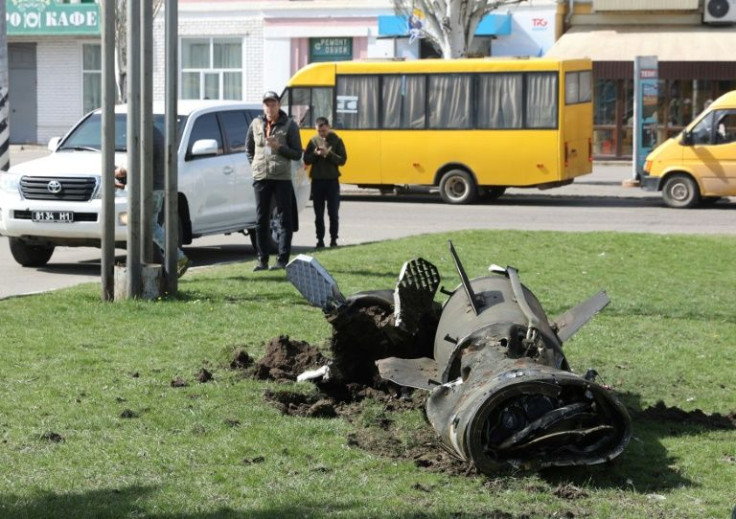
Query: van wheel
x=30, y=255
x=458, y=187
x=680, y=191
x=274, y=226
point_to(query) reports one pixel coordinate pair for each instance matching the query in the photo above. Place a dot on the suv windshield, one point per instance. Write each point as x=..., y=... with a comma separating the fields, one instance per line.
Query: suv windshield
x=88, y=134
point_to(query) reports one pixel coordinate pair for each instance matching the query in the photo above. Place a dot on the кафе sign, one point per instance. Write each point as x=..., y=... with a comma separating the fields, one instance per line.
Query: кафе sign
x=47, y=17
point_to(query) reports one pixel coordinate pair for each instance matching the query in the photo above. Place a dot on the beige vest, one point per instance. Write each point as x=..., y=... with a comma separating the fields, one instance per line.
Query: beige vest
x=272, y=166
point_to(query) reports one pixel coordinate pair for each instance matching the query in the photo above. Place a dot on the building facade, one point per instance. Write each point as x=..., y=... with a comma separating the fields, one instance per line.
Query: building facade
x=693, y=47
x=228, y=49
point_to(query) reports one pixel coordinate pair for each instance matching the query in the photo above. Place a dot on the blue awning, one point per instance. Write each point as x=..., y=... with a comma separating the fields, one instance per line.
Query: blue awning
x=493, y=24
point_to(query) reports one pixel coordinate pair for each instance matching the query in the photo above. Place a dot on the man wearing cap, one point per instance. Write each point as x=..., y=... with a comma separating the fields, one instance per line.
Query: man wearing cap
x=271, y=143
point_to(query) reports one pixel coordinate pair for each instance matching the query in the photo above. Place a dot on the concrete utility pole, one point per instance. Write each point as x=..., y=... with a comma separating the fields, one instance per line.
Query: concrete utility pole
x=108, y=150
x=146, y=64
x=4, y=89
x=133, y=261
x=172, y=183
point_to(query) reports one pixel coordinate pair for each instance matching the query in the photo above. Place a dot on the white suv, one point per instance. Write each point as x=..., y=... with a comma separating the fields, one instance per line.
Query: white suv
x=56, y=200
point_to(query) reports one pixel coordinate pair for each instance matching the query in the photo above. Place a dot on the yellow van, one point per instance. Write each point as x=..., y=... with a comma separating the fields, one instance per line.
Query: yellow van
x=698, y=165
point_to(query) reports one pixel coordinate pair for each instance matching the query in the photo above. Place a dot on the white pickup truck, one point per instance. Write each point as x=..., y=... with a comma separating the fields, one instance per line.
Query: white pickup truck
x=56, y=200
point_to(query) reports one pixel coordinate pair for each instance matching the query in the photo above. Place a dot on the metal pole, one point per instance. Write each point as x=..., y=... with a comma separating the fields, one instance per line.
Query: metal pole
x=4, y=89
x=133, y=145
x=108, y=151
x=147, y=132
x=172, y=184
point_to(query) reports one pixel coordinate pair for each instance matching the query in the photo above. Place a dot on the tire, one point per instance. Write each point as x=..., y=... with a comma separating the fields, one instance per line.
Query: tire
x=30, y=255
x=274, y=226
x=680, y=191
x=493, y=193
x=458, y=187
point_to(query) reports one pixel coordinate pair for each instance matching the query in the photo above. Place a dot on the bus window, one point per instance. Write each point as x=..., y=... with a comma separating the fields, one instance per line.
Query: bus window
x=299, y=102
x=403, y=101
x=322, y=104
x=578, y=87
x=500, y=101
x=357, y=102
x=541, y=100
x=450, y=101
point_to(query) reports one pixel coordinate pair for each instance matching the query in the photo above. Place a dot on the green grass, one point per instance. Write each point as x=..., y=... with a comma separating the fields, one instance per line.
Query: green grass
x=72, y=365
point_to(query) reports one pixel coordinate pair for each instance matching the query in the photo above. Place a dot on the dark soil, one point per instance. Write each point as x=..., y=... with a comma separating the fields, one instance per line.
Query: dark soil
x=241, y=359
x=286, y=359
x=363, y=335
x=660, y=412
x=52, y=437
x=179, y=382
x=204, y=376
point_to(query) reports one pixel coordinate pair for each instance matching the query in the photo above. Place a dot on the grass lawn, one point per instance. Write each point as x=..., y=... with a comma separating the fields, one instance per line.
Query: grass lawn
x=91, y=427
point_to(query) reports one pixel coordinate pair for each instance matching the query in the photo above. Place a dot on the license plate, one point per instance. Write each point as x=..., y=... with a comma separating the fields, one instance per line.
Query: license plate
x=52, y=216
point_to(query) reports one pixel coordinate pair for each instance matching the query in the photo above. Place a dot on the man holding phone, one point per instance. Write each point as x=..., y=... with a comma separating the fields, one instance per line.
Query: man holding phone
x=271, y=143
x=325, y=153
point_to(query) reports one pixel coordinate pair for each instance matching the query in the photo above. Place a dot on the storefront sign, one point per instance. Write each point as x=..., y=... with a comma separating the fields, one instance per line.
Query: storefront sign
x=330, y=49
x=47, y=17
x=646, y=98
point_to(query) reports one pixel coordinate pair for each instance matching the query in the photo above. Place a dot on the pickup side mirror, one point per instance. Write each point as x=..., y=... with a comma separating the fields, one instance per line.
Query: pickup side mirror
x=687, y=138
x=204, y=148
x=53, y=143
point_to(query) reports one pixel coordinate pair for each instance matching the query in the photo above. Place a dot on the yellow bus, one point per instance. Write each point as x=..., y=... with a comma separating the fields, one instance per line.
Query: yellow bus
x=471, y=127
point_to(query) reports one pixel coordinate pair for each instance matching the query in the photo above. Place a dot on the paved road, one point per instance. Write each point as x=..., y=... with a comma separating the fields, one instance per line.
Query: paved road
x=595, y=202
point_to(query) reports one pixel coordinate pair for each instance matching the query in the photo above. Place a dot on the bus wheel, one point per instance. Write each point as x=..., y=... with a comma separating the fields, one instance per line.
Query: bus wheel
x=458, y=187
x=493, y=193
x=680, y=191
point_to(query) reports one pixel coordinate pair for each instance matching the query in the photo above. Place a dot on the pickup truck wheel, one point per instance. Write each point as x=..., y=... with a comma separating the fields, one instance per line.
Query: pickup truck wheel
x=680, y=191
x=274, y=226
x=458, y=187
x=30, y=255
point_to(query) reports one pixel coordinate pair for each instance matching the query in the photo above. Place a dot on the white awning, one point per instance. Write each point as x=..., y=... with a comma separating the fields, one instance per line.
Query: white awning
x=668, y=43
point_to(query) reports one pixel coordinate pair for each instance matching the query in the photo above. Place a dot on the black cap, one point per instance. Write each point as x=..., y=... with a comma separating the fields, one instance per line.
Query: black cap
x=271, y=95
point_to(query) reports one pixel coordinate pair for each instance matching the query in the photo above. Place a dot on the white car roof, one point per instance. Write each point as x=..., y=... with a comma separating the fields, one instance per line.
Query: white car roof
x=187, y=107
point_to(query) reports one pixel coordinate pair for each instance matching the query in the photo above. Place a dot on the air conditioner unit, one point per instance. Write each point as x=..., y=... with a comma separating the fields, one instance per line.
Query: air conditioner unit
x=719, y=11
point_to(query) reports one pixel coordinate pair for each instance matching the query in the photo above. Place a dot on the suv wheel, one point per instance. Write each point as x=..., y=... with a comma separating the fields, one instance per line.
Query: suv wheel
x=30, y=255
x=274, y=226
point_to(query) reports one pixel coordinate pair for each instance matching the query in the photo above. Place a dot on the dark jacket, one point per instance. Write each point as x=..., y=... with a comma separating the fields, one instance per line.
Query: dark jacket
x=326, y=167
x=274, y=166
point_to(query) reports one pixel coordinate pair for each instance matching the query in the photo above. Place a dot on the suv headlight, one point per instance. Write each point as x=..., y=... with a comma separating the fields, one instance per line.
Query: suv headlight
x=10, y=182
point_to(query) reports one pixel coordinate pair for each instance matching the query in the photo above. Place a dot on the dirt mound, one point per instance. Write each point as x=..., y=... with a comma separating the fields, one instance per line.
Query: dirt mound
x=697, y=417
x=285, y=359
x=364, y=334
x=241, y=359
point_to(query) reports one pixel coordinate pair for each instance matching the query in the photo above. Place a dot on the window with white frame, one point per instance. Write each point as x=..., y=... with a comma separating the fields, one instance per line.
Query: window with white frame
x=212, y=68
x=91, y=76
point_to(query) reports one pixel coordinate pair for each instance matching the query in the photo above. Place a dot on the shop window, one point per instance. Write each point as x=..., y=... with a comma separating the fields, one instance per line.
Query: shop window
x=91, y=76
x=212, y=68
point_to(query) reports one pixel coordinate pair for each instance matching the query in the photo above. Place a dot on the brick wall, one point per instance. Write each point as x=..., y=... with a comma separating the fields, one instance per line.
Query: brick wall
x=59, y=93
x=248, y=28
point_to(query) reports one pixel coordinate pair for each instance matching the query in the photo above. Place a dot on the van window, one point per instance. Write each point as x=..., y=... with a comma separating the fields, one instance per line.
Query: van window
x=205, y=127
x=701, y=132
x=725, y=127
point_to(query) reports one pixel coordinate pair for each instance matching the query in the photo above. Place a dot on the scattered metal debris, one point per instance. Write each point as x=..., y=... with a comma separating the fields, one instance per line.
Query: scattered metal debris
x=501, y=392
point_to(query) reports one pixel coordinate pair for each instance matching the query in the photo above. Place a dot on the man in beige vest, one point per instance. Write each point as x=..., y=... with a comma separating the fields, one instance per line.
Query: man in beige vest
x=271, y=143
